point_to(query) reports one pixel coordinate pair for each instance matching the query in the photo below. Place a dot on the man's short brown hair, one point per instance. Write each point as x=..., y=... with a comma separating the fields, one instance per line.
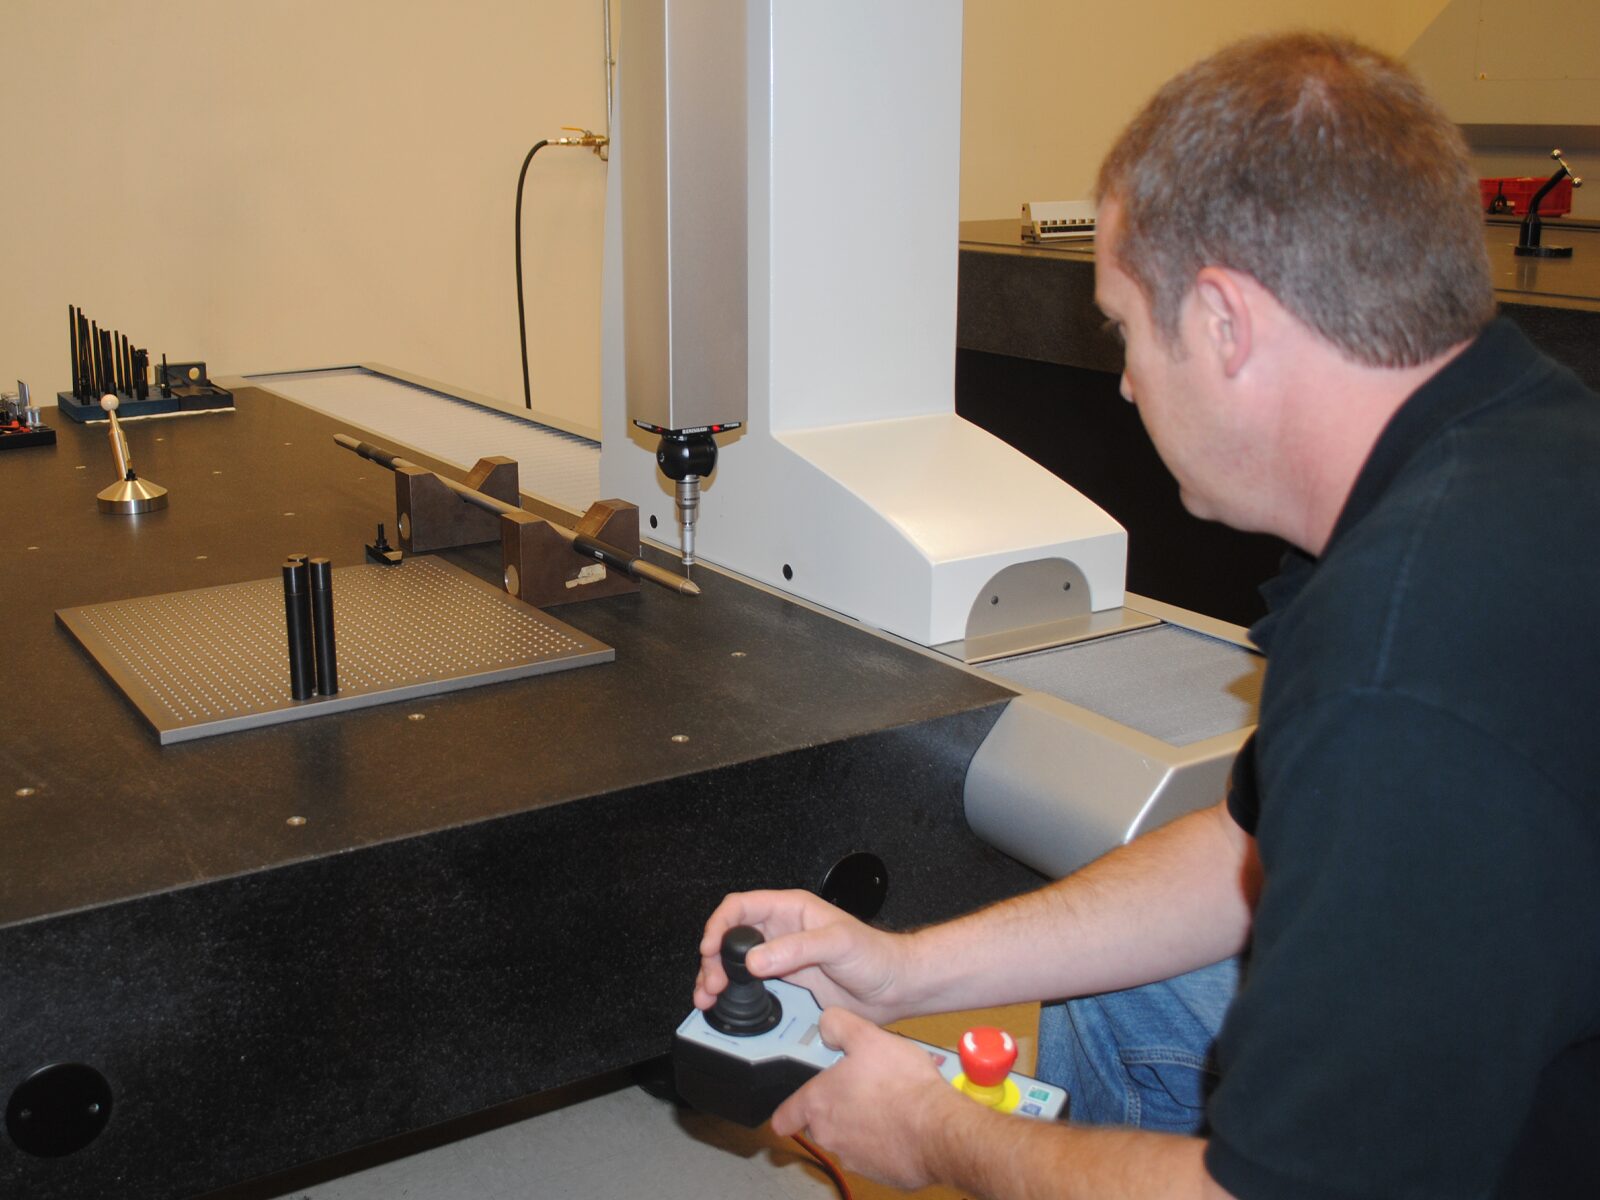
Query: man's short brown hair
x=1321, y=168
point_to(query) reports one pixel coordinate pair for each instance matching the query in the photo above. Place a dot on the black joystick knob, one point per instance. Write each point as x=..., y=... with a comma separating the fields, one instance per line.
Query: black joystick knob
x=745, y=1007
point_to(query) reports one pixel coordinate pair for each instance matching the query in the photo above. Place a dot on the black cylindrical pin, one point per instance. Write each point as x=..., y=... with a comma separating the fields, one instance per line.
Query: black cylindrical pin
x=83, y=356
x=322, y=625
x=297, y=612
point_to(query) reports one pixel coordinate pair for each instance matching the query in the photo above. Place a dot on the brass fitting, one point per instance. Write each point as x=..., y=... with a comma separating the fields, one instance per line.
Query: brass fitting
x=586, y=137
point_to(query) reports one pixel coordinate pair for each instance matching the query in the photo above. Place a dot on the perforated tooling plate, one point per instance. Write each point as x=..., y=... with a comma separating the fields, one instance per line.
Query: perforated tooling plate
x=216, y=659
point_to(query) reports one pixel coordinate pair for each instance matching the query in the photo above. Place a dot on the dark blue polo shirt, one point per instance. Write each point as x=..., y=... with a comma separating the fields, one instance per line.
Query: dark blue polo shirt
x=1422, y=997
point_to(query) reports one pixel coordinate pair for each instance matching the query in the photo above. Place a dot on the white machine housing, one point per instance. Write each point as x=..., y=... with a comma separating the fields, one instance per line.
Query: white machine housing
x=853, y=483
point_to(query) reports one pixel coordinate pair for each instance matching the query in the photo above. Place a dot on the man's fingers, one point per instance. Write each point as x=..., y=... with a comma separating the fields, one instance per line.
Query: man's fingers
x=842, y=1029
x=704, y=995
x=782, y=956
x=750, y=908
x=793, y=1115
x=801, y=931
x=764, y=910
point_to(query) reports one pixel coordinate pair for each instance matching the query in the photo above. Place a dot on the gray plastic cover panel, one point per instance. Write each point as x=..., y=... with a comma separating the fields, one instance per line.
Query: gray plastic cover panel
x=215, y=660
x=1168, y=682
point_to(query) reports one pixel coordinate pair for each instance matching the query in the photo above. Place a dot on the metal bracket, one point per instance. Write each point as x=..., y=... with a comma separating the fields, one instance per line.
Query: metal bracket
x=542, y=570
x=430, y=516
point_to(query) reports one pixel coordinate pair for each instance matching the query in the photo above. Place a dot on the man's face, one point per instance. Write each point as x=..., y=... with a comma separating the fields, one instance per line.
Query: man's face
x=1174, y=385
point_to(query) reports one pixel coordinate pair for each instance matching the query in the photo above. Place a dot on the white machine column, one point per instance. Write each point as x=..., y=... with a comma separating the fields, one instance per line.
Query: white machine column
x=853, y=483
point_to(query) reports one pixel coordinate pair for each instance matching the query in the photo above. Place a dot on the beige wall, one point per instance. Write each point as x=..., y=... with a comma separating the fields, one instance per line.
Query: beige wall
x=1048, y=86
x=1500, y=64
x=292, y=183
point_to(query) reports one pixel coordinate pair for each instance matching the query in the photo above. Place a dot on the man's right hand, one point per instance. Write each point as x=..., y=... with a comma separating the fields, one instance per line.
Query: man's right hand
x=840, y=960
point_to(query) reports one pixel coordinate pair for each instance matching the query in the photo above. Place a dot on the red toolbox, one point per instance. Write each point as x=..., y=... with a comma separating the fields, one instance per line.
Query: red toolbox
x=1516, y=193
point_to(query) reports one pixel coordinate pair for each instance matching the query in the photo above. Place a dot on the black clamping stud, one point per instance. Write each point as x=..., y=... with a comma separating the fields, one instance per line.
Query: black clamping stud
x=379, y=551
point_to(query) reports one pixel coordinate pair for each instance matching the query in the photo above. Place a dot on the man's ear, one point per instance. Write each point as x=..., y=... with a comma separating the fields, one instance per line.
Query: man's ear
x=1225, y=309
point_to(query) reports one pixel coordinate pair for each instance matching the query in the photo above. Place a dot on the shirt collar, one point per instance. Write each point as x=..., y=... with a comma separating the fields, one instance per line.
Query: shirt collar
x=1497, y=358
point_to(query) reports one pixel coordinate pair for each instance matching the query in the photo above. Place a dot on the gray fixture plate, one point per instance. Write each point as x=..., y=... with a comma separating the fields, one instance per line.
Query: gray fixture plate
x=215, y=660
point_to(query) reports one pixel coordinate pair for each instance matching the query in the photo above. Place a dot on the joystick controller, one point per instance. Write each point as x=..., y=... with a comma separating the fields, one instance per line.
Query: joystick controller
x=745, y=1008
x=761, y=1041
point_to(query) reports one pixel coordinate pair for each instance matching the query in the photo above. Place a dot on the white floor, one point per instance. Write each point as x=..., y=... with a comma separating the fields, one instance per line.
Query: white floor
x=625, y=1144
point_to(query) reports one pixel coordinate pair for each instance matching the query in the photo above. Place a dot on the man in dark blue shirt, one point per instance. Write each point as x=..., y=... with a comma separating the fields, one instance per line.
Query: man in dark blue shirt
x=1409, y=859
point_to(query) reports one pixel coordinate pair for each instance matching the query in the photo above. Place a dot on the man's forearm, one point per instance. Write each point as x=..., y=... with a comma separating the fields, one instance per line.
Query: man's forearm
x=985, y=1154
x=1176, y=898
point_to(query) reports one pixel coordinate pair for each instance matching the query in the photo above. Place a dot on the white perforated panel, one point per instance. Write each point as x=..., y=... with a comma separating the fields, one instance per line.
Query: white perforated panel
x=216, y=659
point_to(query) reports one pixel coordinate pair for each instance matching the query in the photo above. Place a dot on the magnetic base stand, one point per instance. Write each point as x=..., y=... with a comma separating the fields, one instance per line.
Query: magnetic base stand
x=1528, y=244
x=128, y=496
x=1542, y=251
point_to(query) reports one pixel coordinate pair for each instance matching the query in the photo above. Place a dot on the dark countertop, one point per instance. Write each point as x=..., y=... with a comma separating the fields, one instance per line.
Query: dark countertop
x=494, y=892
x=1031, y=301
x=1037, y=301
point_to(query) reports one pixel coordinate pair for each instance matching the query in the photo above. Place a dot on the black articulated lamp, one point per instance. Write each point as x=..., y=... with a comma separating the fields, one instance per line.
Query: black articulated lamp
x=1528, y=242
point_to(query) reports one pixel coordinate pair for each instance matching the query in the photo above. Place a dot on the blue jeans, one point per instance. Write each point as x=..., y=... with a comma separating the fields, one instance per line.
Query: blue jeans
x=1141, y=1057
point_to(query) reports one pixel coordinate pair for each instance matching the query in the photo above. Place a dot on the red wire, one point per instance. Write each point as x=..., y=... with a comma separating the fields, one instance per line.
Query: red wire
x=824, y=1162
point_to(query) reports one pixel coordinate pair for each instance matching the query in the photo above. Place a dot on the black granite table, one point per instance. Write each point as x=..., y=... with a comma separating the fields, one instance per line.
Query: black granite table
x=492, y=892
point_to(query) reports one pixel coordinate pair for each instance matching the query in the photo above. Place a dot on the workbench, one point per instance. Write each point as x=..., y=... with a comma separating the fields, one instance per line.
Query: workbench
x=1036, y=300
x=279, y=944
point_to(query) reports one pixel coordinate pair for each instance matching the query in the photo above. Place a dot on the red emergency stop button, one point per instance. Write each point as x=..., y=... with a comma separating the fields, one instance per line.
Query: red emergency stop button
x=987, y=1055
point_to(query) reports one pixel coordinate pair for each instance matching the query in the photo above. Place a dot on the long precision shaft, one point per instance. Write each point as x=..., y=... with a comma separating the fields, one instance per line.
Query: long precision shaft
x=589, y=547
